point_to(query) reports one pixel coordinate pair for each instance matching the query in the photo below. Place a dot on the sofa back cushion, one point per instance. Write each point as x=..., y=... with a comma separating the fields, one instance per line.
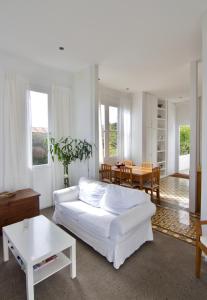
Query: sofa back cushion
x=118, y=199
x=91, y=191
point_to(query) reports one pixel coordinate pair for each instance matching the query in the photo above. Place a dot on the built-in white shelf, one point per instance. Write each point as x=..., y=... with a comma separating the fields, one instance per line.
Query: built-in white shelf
x=162, y=135
x=162, y=162
x=60, y=262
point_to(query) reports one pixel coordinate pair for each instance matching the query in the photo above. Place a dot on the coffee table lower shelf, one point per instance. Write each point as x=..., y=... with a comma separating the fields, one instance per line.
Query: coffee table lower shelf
x=60, y=262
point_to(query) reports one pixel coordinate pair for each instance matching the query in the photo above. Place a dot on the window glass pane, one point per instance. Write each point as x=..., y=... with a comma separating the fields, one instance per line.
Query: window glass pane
x=113, y=118
x=39, y=110
x=102, y=117
x=113, y=136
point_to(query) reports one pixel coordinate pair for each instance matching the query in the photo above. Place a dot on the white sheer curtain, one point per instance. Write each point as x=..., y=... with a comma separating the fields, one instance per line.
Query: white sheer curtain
x=125, y=129
x=101, y=150
x=15, y=135
x=60, y=127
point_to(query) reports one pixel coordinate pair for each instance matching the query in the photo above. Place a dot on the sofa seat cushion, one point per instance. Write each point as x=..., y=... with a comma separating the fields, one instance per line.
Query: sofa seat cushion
x=73, y=209
x=97, y=221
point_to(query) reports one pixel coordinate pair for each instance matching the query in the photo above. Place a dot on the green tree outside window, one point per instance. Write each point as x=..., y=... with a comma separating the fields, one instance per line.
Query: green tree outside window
x=184, y=139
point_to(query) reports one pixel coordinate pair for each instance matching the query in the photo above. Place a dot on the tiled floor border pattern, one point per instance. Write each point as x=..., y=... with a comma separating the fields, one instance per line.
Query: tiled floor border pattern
x=176, y=223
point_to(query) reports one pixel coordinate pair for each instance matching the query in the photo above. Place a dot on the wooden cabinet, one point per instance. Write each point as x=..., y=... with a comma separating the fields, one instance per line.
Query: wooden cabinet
x=25, y=204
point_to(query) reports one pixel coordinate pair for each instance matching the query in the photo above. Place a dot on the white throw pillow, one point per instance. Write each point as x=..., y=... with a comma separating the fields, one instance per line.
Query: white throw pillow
x=118, y=199
x=91, y=191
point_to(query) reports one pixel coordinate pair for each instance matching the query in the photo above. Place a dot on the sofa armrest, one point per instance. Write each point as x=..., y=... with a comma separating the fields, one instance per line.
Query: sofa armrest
x=67, y=194
x=127, y=221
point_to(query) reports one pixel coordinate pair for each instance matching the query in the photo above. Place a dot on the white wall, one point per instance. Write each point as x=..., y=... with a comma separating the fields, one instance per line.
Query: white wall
x=183, y=113
x=85, y=120
x=40, y=78
x=204, y=122
x=137, y=128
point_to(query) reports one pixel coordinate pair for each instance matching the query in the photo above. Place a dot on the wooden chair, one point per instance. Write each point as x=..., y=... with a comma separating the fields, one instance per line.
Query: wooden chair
x=153, y=184
x=147, y=165
x=201, y=246
x=106, y=173
x=126, y=177
x=128, y=162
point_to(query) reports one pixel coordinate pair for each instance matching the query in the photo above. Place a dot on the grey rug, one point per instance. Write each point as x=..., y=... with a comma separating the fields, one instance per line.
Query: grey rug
x=163, y=269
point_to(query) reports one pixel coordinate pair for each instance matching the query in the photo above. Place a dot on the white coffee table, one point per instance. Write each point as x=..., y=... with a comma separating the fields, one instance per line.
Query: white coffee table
x=34, y=240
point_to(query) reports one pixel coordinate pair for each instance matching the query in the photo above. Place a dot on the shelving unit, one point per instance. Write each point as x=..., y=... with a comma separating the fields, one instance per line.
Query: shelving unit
x=155, y=131
x=162, y=136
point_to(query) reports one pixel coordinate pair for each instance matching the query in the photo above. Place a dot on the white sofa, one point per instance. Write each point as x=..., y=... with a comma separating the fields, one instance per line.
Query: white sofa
x=114, y=220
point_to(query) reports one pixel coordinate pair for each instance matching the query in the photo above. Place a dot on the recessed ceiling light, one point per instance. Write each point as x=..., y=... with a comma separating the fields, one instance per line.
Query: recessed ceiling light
x=61, y=48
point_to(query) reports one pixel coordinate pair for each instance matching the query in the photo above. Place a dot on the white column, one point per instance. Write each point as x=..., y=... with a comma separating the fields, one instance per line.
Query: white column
x=204, y=121
x=84, y=120
x=137, y=128
x=193, y=137
x=95, y=116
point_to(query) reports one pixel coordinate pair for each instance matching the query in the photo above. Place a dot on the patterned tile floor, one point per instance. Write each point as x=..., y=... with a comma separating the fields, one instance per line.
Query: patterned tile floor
x=177, y=223
x=174, y=192
x=172, y=216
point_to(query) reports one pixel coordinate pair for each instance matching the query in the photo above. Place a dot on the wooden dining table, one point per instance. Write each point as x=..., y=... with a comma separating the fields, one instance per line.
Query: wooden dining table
x=139, y=173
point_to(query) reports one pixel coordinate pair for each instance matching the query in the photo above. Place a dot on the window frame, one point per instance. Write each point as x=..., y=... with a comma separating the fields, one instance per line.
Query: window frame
x=41, y=91
x=106, y=131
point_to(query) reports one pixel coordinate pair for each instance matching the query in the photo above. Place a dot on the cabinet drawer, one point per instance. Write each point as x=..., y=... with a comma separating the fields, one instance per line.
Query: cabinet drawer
x=27, y=204
x=3, y=211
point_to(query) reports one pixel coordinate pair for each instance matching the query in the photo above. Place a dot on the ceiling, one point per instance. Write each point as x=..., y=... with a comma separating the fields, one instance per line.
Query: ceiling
x=144, y=45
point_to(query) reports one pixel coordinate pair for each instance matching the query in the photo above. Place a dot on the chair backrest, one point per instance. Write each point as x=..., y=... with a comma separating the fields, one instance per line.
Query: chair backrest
x=106, y=172
x=147, y=165
x=125, y=175
x=128, y=162
x=155, y=179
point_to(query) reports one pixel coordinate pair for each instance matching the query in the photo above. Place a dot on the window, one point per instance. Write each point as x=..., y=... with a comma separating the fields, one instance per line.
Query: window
x=113, y=131
x=110, y=133
x=39, y=112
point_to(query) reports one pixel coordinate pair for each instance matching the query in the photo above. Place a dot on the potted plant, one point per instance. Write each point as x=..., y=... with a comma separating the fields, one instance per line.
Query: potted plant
x=68, y=150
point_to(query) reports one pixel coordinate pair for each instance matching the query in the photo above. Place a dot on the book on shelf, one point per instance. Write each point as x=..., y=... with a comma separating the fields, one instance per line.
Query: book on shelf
x=44, y=262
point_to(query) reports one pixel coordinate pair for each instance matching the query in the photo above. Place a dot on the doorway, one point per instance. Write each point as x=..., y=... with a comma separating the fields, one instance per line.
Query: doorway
x=184, y=150
x=175, y=188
